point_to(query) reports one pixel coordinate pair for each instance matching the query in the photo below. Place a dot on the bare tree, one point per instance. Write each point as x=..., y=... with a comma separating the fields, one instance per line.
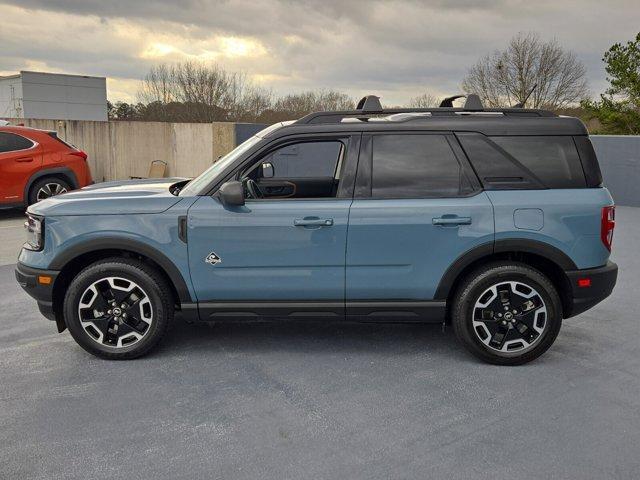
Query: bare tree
x=197, y=92
x=506, y=77
x=300, y=104
x=425, y=100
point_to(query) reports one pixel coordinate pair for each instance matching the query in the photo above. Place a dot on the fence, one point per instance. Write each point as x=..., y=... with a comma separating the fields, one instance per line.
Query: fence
x=120, y=150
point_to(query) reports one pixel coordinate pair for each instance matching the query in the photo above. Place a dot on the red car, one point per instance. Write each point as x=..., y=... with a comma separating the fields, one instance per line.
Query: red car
x=36, y=164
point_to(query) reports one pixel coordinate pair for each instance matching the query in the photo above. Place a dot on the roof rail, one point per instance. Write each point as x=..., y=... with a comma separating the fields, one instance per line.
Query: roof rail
x=370, y=106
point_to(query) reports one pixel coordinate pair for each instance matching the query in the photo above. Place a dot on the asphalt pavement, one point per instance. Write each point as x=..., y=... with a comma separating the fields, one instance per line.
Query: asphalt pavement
x=321, y=401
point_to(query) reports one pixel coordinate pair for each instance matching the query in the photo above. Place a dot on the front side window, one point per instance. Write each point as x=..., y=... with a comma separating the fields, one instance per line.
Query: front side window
x=10, y=142
x=415, y=166
x=311, y=159
x=306, y=169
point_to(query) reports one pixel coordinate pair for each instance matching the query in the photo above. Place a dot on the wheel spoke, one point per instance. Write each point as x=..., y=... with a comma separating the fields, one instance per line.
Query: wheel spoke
x=499, y=337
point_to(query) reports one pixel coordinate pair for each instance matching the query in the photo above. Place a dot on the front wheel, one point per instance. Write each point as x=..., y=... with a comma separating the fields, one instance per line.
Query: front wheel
x=118, y=309
x=507, y=313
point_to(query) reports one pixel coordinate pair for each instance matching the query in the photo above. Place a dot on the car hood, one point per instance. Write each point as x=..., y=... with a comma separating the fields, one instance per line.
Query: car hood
x=112, y=198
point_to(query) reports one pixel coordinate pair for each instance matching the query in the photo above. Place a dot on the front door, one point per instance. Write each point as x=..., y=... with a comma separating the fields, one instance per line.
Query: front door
x=417, y=208
x=283, y=252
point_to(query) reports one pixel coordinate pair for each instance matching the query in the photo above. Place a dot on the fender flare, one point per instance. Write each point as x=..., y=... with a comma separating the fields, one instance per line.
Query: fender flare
x=65, y=172
x=519, y=245
x=140, y=248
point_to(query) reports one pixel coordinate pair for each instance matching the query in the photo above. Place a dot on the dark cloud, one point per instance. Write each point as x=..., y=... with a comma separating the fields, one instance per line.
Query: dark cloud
x=397, y=47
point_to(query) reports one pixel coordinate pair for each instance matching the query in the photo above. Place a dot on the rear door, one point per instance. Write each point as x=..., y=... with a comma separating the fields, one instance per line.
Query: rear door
x=19, y=159
x=417, y=207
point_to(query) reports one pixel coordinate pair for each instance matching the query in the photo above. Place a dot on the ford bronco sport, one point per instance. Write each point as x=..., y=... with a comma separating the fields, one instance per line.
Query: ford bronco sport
x=493, y=220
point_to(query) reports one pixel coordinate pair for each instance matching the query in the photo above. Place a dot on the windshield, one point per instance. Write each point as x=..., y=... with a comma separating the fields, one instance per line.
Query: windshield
x=197, y=184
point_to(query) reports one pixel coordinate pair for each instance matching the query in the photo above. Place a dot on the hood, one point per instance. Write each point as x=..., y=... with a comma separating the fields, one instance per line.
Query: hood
x=112, y=198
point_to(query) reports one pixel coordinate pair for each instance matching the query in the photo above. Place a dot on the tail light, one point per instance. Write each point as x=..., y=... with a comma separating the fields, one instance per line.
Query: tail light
x=79, y=153
x=607, y=225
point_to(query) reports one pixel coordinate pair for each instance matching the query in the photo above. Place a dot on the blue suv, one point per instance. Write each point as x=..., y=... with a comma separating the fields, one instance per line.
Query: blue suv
x=493, y=220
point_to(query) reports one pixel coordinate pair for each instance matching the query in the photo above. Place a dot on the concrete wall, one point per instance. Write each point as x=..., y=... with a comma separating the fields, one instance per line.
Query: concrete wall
x=120, y=150
x=619, y=158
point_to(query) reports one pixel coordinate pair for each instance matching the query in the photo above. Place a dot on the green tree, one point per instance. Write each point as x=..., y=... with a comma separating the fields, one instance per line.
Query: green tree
x=619, y=107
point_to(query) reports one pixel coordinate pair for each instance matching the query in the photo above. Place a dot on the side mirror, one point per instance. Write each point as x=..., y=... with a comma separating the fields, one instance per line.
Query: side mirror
x=232, y=194
x=267, y=170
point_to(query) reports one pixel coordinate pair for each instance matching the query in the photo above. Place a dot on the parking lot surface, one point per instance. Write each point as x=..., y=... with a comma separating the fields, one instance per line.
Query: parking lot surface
x=339, y=401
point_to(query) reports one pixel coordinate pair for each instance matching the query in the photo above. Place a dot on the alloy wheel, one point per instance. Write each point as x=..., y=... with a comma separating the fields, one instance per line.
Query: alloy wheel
x=115, y=312
x=510, y=317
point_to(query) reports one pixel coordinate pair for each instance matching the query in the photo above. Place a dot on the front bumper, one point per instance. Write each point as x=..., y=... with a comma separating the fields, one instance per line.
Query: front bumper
x=30, y=280
x=600, y=282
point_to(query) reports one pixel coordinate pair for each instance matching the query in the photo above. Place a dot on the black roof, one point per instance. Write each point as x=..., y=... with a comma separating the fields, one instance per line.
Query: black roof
x=370, y=116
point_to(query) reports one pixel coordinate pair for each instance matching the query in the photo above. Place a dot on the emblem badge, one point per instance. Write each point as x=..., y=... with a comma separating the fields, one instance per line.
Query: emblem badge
x=213, y=259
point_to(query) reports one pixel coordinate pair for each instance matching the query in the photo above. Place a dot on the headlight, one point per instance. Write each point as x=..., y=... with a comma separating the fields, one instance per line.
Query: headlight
x=35, y=233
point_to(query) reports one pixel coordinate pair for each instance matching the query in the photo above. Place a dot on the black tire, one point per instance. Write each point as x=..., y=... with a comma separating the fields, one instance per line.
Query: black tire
x=475, y=288
x=160, y=307
x=43, y=183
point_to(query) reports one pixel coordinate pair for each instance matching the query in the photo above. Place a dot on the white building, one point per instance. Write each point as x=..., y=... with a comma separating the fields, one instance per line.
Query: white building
x=53, y=96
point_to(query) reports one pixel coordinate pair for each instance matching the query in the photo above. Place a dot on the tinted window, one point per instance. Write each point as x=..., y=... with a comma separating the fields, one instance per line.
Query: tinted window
x=590, y=165
x=496, y=170
x=10, y=142
x=415, y=166
x=305, y=160
x=554, y=160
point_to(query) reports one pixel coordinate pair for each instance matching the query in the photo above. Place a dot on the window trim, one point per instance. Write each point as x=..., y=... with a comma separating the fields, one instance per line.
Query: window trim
x=363, y=189
x=34, y=144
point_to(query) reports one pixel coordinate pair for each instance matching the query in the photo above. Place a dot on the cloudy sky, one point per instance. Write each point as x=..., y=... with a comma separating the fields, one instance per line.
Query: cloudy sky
x=396, y=49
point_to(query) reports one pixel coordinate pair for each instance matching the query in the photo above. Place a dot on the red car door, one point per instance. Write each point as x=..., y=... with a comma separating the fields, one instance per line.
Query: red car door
x=20, y=158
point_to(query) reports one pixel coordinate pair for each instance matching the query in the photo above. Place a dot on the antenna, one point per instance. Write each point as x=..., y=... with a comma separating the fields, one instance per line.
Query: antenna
x=522, y=104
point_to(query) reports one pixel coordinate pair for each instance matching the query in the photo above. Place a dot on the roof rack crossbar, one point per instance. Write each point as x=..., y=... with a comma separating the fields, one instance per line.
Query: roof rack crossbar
x=448, y=101
x=370, y=106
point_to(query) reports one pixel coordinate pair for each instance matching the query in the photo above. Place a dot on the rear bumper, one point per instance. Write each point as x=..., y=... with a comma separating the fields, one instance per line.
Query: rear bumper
x=601, y=283
x=27, y=277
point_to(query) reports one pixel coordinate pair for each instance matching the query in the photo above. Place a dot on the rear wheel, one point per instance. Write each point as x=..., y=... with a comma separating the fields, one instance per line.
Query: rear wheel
x=118, y=309
x=47, y=187
x=507, y=313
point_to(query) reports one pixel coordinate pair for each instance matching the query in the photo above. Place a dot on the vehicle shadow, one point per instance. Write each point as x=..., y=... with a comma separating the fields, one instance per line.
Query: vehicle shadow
x=311, y=337
x=11, y=213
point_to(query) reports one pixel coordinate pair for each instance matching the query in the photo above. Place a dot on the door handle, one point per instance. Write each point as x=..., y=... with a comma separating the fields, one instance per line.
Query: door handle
x=313, y=222
x=24, y=159
x=452, y=220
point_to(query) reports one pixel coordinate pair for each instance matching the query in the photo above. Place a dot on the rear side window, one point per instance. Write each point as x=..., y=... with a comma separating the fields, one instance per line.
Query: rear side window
x=416, y=166
x=589, y=160
x=55, y=136
x=524, y=162
x=553, y=160
x=10, y=142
